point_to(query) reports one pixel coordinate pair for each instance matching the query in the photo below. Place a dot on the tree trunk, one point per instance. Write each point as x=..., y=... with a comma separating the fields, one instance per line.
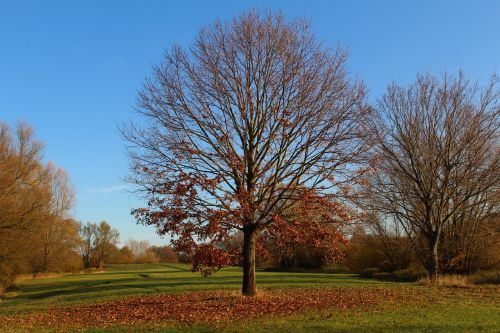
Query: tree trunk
x=46, y=254
x=249, y=237
x=434, y=258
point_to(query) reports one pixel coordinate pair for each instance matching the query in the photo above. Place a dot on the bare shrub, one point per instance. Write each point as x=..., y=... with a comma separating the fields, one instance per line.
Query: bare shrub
x=457, y=281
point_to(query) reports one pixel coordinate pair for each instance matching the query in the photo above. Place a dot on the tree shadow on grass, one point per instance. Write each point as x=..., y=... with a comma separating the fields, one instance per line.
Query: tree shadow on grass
x=129, y=286
x=178, y=268
x=99, y=287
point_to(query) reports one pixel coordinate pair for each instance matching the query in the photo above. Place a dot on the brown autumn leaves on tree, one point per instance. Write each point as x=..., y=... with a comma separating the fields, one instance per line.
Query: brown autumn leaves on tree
x=97, y=241
x=437, y=170
x=34, y=202
x=254, y=117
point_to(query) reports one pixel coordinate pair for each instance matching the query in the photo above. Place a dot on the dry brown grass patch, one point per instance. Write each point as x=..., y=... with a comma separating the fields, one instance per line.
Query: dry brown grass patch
x=28, y=277
x=456, y=281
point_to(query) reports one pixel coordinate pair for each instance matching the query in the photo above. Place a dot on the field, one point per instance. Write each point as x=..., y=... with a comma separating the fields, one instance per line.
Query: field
x=169, y=298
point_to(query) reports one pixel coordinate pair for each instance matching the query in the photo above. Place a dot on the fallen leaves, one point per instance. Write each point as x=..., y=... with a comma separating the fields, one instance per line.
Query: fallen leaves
x=212, y=306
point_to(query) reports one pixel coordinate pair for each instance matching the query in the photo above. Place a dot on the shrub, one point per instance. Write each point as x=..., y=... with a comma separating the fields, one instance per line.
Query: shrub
x=404, y=275
x=446, y=281
x=369, y=273
x=327, y=269
x=386, y=252
x=408, y=275
x=485, y=277
x=7, y=276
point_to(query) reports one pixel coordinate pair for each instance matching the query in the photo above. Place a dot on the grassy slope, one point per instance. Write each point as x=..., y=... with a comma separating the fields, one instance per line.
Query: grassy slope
x=441, y=310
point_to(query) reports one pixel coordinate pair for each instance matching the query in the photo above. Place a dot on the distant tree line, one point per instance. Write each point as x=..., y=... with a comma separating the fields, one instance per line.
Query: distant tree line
x=388, y=251
x=142, y=252
x=99, y=246
x=37, y=233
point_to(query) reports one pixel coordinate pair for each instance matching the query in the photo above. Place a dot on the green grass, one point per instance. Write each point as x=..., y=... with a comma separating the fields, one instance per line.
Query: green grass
x=434, y=318
x=438, y=310
x=129, y=280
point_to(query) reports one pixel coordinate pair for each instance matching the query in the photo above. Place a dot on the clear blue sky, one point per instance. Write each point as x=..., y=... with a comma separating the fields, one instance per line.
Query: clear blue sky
x=72, y=68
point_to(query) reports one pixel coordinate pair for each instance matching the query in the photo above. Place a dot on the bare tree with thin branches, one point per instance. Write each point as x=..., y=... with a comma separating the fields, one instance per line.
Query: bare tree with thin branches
x=437, y=161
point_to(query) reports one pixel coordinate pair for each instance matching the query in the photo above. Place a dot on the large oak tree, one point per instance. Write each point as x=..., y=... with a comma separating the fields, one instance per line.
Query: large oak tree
x=253, y=117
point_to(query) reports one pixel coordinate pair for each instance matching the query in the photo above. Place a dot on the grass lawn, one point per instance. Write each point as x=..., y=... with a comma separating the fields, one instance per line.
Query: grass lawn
x=408, y=308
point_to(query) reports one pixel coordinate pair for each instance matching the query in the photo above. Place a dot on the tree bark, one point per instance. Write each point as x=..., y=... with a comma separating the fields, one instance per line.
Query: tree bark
x=249, y=238
x=434, y=257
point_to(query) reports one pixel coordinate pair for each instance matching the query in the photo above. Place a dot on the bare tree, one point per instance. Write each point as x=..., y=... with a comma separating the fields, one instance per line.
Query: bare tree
x=437, y=161
x=243, y=123
x=97, y=240
x=105, y=238
x=57, y=229
x=87, y=238
x=138, y=248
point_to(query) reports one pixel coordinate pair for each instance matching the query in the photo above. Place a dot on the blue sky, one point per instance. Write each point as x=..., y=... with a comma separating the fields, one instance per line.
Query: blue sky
x=72, y=69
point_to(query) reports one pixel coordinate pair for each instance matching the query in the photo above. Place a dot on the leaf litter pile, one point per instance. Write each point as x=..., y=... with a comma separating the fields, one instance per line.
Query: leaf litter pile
x=203, y=306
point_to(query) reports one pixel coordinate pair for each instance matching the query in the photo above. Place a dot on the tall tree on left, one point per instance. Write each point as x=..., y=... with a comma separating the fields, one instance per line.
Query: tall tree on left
x=33, y=196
